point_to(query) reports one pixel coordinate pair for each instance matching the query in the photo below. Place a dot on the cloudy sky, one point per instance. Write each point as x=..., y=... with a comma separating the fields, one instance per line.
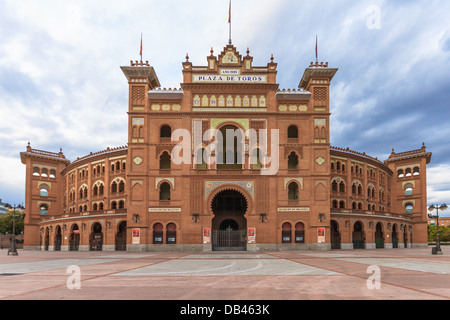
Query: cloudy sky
x=61, y=83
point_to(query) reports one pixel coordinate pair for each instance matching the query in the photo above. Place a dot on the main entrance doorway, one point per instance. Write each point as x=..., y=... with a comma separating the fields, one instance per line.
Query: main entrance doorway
x=229, y=225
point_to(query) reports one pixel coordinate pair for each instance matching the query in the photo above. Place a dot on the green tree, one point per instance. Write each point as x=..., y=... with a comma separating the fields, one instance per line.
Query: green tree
x=6, y=223
x=443, y=231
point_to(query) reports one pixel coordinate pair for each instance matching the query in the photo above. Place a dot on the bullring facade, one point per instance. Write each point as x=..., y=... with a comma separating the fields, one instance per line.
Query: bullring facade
x=137, y=198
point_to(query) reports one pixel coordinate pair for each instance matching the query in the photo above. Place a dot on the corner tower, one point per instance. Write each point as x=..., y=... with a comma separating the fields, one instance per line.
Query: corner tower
x=141, y=79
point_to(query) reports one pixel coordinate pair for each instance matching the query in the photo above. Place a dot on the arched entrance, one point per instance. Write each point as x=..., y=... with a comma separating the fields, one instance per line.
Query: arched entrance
x=335, y=235
x=394, y=236
x=74, y=241
x=47, y=239
x=58, y=238
x=405, y=237
x=121, y=237
x=96, y=238
x=358, y=236
x=379, y=238
x=229, y=225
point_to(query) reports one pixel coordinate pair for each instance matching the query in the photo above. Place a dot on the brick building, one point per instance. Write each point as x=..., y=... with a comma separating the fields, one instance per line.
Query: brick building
x=288, y=191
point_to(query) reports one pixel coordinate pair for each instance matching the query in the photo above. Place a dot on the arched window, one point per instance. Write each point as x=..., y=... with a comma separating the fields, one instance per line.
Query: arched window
x=409, y=208
x=114, y=205
x=121, y=204
x=334, y=186
x=95, y=207
x=342, y=186
x=122, y=186
x=408, y=172
x=359, y=189
x=342, y=205
x=299, y=233
x=400, y=173
x=44, y=190
x=335, y=204
x=164, y=161
x=101, y=189
x=95, y=191
x=52, y=174
x=286, y=232
x=293, y=191
x=293, y=161
x=171, y=233
x=165, y=132
x=158, y=233
x=100, y=206
x=164, y=191
x=416, y=171
x=360, y=206
x=117, y=165
x=43, y=209
x=293, y=132
x=36, y=172
x=408, y=189
x=114, y=187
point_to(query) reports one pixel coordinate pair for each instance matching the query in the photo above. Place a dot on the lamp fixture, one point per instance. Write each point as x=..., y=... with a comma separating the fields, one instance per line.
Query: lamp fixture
x=262, y=217
x=195, y=217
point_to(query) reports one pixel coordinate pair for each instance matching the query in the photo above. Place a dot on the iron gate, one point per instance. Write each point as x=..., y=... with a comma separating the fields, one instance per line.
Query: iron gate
x=229, y=240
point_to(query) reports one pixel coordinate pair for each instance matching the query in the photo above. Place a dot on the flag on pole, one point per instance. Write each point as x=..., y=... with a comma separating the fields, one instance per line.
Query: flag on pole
x=229, y=13
x=317, y=57
x=141, y=48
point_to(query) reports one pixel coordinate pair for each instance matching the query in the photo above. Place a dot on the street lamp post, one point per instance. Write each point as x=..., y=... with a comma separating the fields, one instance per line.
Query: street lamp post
x=438, y=238
x=13, y=251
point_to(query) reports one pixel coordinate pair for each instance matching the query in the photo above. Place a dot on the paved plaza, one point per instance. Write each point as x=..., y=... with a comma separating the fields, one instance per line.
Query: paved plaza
x=392, y=274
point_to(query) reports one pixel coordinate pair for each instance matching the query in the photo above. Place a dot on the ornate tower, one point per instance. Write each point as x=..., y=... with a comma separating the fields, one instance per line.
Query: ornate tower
x=44, y=191
x=408, y=194
x=141, y=79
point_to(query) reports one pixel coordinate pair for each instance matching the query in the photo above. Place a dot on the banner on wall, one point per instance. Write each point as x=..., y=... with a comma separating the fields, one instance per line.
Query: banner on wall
x=136, y=236
x=320, y=235
x=206, y=236
x=251, y=236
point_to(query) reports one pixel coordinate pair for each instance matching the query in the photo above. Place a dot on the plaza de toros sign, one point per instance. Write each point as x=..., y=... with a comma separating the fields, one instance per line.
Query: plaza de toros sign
x=229, y=76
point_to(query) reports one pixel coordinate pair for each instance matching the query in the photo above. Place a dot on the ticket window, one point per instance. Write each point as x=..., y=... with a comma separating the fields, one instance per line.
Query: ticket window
x=299, y=233
x=286, y=233
x=171, y=234
x=158, y=233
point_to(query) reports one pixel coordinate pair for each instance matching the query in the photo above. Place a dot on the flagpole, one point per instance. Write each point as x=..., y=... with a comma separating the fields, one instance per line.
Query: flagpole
x=141, y=48
x=317, y=56
x=229, y=23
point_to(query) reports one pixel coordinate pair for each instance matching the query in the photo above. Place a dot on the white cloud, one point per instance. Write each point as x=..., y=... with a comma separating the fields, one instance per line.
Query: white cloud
x=65, y=88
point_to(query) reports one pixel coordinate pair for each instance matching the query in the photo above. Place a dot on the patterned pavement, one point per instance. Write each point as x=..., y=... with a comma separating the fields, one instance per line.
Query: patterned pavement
x=394, y=274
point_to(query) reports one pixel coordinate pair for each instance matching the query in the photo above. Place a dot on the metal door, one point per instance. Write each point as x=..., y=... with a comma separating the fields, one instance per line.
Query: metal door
x=229, y=240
